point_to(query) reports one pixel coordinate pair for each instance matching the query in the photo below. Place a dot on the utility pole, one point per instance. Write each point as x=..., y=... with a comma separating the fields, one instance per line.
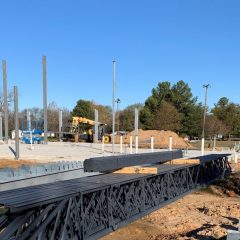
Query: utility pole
x=96, y=126
x=45, y=97
x=29, y=121
x=16, y=122
x=4, y=67
x=136, y=130
x=205, y=108
x=113, y=107
x=206, y=86
x=1, y=136
x=60, y=125
x=118, y=101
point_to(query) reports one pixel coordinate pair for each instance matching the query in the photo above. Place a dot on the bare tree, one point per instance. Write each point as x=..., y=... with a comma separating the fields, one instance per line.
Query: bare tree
x=53, y=117
x=214, y=126
x=10, y=99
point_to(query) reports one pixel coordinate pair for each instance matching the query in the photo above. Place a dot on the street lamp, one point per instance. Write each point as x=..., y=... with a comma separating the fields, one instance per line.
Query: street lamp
x=113, y=106
x=118, y=101
x=1, y=133
x=205, y=108
x=206, y=86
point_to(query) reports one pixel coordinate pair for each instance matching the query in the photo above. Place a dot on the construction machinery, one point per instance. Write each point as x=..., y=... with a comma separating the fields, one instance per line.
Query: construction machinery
x=82, y=127
x=34, y=136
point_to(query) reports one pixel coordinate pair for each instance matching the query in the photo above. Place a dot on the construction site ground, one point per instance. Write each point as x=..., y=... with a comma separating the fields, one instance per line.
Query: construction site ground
x=202, y=215
x=66, y=151
x=205, y=214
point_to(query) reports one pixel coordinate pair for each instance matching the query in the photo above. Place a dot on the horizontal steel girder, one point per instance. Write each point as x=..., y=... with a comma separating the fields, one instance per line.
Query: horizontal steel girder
x=103, y=164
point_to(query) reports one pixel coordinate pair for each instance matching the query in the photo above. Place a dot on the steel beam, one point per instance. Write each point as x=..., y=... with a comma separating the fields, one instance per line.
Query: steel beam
x=16, y=122
x=1, y=132
x=5, y=94
x=103, y=164
x=45, y=98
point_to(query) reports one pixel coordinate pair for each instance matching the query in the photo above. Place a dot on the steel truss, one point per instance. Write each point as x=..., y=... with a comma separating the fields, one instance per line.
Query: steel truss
x=90, y=215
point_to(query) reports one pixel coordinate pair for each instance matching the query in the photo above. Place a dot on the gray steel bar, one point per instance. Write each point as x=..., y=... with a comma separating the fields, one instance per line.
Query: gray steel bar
x=4, y=66
x=214, y=143
x=113, y=108
x=205, y=109
x=136, y=122
x=96, y=126
x=1, y=135
x=60, y=125
x=103, y=164
x=29, y=120
x=45, y=98
x=16, y=122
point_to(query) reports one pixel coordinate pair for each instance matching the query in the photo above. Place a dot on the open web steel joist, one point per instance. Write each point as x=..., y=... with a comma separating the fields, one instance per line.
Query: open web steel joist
x=91, y=207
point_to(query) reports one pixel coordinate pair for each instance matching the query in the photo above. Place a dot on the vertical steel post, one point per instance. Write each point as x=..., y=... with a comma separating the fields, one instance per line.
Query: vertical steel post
x=102, y=144
x=202, y=146
x=45, y=98
x=136, y=144
x=205, y=109
x=96, y=126
x=15, y=90
x=214, y=143
x=118, y=115
x=60, y=125
x=170, y=143
x=136, y=122
x=121, y=143
x=1, y=135
x=136, y=130
x=113, y=107
x=152, y=143
x=204, y=118
x=130, y=142
x=29, y=120
x=4, y=66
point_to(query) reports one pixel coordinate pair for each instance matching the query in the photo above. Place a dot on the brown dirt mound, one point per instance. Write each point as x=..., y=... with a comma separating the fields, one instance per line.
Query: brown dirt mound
x=230, y=185
x=161, y=139
x=16, y=163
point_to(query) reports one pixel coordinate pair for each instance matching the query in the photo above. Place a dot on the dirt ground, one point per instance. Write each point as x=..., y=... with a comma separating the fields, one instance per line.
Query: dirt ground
x=204, y=215
x=16, y=163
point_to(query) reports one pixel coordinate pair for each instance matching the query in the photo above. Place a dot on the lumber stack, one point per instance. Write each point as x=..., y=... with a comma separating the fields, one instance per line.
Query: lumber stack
x=158, y=168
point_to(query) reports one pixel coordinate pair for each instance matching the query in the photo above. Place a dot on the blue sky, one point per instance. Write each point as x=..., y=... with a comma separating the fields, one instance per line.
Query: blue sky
x=151, y=41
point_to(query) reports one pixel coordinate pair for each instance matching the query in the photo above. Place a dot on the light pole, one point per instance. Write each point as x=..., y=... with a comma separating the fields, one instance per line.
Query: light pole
x=205, y=109
x=118, y=101
x=5, y=97
x=206, y=86
x=45, y=98
x=113, y=106
x=1, y=135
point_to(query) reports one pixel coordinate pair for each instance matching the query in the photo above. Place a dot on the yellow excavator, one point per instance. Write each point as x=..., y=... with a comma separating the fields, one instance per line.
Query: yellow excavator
x=87, y=134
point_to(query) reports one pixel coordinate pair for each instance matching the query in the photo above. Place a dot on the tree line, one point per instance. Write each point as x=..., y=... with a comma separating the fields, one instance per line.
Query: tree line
x=169, y=107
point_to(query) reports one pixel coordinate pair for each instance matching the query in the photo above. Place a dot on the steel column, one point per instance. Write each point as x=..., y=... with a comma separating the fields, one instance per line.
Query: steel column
x=16, y=122
x=5, y=95
x=45, y=98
